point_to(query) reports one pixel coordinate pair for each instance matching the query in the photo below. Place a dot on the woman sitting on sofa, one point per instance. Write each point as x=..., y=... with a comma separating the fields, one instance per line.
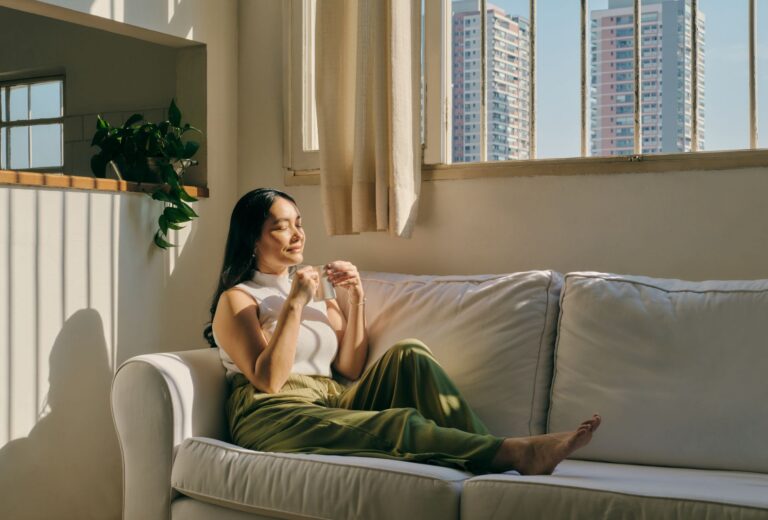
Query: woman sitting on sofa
x=280, y=348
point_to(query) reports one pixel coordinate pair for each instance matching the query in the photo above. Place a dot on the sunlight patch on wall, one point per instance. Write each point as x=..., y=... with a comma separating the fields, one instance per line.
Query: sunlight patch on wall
x=5, y=319
x=180, y=238
x=24, y=334
x=58, y=258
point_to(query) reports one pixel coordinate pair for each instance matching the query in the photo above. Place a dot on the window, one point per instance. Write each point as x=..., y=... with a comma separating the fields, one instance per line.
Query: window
x=498, y=94
x=32, y=124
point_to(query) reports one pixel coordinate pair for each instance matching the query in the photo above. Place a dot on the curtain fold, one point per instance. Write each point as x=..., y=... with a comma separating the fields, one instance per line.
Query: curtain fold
x=368, y=81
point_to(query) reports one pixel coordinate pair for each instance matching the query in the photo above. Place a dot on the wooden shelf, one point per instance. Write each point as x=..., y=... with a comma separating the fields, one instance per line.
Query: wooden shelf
x=60, y=180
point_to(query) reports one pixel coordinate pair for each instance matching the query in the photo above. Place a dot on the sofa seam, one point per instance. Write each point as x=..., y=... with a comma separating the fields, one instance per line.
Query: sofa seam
x=431, y=282
x=561, y=305
x=215, y=499
x=607, y=492
x=671, y=291
x=538, y=355
x=272, y=455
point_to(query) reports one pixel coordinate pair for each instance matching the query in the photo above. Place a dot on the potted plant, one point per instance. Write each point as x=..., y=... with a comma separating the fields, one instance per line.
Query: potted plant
x=142, y=151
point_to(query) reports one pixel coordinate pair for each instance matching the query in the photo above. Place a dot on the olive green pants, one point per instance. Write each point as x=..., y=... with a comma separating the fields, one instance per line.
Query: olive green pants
x=403, y=407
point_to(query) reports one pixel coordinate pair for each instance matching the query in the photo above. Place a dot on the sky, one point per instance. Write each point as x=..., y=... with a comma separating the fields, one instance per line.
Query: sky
x=726, y=73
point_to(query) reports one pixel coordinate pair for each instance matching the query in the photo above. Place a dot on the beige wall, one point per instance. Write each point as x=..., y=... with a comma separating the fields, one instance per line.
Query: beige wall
x=693, y=225
x=82, y=288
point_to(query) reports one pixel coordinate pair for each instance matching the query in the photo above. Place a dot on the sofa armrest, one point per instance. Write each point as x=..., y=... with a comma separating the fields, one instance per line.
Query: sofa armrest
x=158, y=400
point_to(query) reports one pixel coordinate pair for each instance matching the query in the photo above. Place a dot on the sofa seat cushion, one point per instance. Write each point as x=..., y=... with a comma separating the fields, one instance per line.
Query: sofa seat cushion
x=493, y=334
x=314, y=486
x=599, y=490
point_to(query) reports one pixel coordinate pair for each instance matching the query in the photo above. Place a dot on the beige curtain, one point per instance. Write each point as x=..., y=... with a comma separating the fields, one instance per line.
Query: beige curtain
x=368, y=80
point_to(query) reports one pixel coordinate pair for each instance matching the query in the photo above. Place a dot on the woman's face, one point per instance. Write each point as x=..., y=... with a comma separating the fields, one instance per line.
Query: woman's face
x=282, y=239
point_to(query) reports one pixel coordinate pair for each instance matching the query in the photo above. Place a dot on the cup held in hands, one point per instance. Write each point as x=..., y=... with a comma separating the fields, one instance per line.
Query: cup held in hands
x=325, y=289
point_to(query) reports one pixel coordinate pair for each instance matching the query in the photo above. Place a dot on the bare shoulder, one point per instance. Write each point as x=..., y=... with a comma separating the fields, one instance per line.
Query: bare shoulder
x=233, y=301
x=235, y=309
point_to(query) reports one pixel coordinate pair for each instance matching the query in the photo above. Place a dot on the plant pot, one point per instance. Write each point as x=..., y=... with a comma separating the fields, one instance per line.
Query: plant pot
x=146, y=173
x=149, y=171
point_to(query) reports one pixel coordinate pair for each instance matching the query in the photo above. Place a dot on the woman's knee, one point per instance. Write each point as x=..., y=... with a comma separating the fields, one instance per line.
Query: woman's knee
x=410, y=346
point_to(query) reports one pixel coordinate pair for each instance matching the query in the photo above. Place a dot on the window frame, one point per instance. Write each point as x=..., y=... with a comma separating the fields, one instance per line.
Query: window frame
x=436, y=163
x=296, y=160
x=28, y=81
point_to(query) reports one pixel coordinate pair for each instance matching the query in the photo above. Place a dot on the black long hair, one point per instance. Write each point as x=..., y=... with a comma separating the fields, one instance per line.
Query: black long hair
x=245, y=226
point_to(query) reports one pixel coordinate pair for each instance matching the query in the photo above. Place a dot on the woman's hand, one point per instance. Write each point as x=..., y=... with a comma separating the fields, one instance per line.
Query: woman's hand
x=304, y=286
x=344, y=274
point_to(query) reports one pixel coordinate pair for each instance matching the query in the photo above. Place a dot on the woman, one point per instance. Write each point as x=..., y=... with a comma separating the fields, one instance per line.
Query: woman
x=280, y=348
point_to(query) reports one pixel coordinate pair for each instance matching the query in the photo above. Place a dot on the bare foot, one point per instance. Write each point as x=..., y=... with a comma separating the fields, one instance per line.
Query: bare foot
x=540, y=454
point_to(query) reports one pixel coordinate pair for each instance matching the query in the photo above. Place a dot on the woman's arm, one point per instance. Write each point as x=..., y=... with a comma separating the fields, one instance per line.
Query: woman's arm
x=353, y=338
x=266, y=364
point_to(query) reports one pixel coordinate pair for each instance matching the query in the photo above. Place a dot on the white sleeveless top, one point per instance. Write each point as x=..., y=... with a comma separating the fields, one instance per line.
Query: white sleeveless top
x=317, y=343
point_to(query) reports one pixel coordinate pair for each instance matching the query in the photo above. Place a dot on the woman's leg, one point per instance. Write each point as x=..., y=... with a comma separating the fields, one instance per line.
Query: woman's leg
x=291, y=422
x=408, y=376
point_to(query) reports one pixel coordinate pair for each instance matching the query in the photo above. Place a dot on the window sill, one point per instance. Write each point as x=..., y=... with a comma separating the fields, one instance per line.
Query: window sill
x=656, y=163
x=59, y=180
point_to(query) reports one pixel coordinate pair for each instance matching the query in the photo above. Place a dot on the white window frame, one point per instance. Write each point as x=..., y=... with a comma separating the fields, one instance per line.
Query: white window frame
x=28, y=81
x=302, y=167
x=298, y=91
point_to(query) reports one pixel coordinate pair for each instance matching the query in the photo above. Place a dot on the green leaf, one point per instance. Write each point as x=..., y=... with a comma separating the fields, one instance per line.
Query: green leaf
x=175, y=215
x=190, y=128
x=160, y=194
x=186, y=197
x=135, y=118
x=168, y=175
x=163, y=223
x=99, y=165
x=99, y=137
x=101, y=124
x=161, y=242
x=190, y=149
x=174, y=114
x=187, y=210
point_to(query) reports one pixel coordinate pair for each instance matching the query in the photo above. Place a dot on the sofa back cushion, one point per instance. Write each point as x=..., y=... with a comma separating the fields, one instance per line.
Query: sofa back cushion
x=493, y=335
x=678, y=370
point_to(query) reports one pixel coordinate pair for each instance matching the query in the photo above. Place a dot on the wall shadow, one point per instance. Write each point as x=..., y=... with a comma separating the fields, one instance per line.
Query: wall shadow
x=69, y=460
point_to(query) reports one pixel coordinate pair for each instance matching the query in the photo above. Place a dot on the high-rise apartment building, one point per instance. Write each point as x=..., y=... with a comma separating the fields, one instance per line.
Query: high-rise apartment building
x=507, y=83
x=666, y=87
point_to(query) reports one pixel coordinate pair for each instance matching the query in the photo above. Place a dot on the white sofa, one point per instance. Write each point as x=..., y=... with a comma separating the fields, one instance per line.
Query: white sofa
x=678, y=370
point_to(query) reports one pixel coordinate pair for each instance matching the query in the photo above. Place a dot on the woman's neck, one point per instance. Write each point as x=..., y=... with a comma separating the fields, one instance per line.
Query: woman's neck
x=278, y=271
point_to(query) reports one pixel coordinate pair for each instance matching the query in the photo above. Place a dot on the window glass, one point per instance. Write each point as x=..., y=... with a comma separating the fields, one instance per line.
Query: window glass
x=507, y=82
x=611, y=79
x=19, y=147
x=761, y=61
x=665, y=54
x=19, y=109
x=29, y=139
x=45, y=100
x=666, y=86
x=309, y=107
x=45, y=146
x=725, y=100
x=558, y=79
